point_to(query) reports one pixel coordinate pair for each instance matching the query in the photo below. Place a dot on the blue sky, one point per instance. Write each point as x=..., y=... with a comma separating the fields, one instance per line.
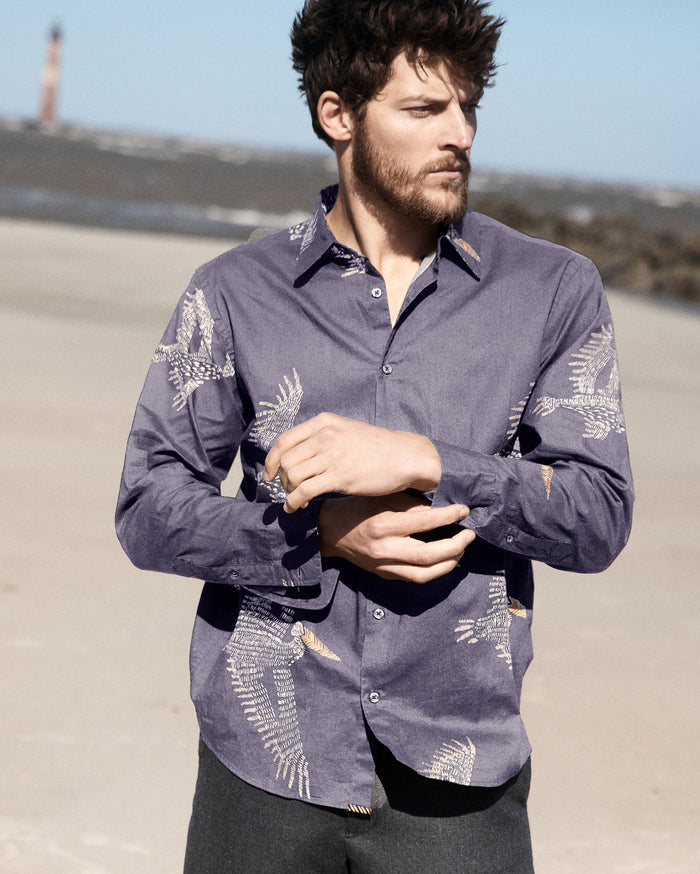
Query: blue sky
x=606, y=89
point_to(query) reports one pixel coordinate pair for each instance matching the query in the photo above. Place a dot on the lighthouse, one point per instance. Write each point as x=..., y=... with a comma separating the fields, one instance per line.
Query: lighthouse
x=49, y=80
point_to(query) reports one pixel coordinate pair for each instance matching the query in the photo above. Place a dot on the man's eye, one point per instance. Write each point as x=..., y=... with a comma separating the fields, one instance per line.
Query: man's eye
x=470, y=108
x=420, y=111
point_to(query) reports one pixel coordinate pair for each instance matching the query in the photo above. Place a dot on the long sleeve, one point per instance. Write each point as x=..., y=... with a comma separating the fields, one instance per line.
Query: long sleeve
x=560, y=491
x=503, y=356
x=188, y=425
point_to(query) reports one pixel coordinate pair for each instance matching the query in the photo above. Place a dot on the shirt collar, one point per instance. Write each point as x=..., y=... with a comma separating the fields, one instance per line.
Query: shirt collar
x=315, y=237
x=316, y=241
x=463, y=237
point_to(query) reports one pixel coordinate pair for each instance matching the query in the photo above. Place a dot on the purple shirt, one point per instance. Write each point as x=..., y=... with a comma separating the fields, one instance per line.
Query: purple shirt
x=503, y=355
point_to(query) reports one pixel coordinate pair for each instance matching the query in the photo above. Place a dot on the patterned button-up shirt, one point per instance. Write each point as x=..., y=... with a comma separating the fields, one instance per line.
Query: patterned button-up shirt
x=503, y=355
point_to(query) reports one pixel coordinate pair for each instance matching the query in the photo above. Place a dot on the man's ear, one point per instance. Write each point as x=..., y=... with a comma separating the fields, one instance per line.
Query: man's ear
x=334, y=116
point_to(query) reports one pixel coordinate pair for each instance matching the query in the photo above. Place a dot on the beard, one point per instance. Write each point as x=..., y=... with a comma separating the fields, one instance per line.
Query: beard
x=407, y=192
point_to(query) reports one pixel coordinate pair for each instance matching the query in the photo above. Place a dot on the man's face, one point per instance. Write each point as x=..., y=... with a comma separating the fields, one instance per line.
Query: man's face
x=410, y=151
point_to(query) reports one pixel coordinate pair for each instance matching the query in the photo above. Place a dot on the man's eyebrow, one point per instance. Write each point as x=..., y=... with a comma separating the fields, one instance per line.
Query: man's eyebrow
x=424, y=97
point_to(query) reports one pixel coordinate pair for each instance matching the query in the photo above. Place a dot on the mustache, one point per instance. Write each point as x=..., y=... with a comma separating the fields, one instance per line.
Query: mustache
x=452, y=165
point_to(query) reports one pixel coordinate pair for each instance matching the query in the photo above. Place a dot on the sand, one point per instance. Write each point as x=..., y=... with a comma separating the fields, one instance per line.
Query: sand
x=98, y=736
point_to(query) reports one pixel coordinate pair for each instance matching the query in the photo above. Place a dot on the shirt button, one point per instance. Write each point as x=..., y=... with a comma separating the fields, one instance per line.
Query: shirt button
x=374, y=697
x=386, y=369
x=509, y=538
x=378, y=613
x=376, y=292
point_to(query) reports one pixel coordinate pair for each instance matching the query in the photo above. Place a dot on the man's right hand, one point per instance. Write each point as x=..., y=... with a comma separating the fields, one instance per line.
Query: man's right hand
x=374, y=533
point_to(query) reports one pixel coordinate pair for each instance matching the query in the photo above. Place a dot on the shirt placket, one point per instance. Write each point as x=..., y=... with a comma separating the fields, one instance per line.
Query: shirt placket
x=381, y=624
x=376, y=650
x=389, y=374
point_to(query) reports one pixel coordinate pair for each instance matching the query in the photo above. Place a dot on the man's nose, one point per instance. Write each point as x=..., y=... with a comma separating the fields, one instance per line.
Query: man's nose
x=460, y=128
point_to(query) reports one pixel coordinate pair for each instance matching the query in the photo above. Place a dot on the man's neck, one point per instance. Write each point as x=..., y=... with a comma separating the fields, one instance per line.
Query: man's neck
x=394, y=244
x=378, y=232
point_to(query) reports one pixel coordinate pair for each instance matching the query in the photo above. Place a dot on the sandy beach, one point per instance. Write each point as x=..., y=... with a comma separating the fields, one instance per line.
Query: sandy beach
x=98, y=752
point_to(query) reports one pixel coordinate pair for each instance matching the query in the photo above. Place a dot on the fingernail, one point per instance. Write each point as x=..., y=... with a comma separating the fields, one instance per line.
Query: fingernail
x=464, y=512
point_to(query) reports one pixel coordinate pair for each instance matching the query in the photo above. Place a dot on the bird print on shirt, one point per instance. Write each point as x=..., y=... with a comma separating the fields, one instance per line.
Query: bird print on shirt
x=354, y=264
x=190, y=356
x=274, y=419
x=600, y=408
x=511, y=447
x=454, y=761
x=264, y=645
x=304, y=231
x=494, y=626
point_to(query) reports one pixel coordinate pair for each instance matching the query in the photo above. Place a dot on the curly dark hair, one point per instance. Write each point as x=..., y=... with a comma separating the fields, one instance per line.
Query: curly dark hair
x=348, y=46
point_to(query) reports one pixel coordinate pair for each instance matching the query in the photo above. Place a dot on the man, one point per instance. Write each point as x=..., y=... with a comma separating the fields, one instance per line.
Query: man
x=424, y=401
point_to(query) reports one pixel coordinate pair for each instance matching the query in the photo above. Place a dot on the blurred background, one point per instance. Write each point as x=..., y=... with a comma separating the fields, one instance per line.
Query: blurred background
x=163, y=117
x=138, y=140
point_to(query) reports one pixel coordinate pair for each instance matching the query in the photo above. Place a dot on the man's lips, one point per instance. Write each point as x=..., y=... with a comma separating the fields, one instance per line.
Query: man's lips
x=451, y=174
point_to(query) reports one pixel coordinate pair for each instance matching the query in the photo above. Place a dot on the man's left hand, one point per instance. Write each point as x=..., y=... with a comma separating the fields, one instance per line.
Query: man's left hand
x=330, y=453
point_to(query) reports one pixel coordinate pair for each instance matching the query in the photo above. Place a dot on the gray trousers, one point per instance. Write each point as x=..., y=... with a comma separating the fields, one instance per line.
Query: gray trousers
x=417, y=826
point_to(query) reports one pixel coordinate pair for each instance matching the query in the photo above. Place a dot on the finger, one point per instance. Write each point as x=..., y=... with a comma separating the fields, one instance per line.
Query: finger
x=294, y=475
x=285, y=442
x=414, y=574
x=307, y=491
x=406, y=550
x=298, y=453
x=419, y=573
x=422, y=554
x=419, y=520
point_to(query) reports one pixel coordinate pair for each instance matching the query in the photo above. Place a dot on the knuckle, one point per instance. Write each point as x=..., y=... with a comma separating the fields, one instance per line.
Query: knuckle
x=302, y=492
x=325, y=420
x=327, y=434
x=280, y=445
x=375, y=551
x=290, y=477
x=375, y=528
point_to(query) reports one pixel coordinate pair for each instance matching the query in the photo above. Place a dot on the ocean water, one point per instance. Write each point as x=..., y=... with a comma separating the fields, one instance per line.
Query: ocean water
x=44, y=204
x=147, y=183
x=138, y=182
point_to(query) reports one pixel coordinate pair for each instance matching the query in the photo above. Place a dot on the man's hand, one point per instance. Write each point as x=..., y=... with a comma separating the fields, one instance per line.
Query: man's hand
x=330, y=453
x=374, y=533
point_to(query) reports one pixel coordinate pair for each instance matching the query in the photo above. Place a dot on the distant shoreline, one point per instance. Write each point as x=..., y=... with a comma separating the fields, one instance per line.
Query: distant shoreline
x=643, y=238
x=148, y=145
